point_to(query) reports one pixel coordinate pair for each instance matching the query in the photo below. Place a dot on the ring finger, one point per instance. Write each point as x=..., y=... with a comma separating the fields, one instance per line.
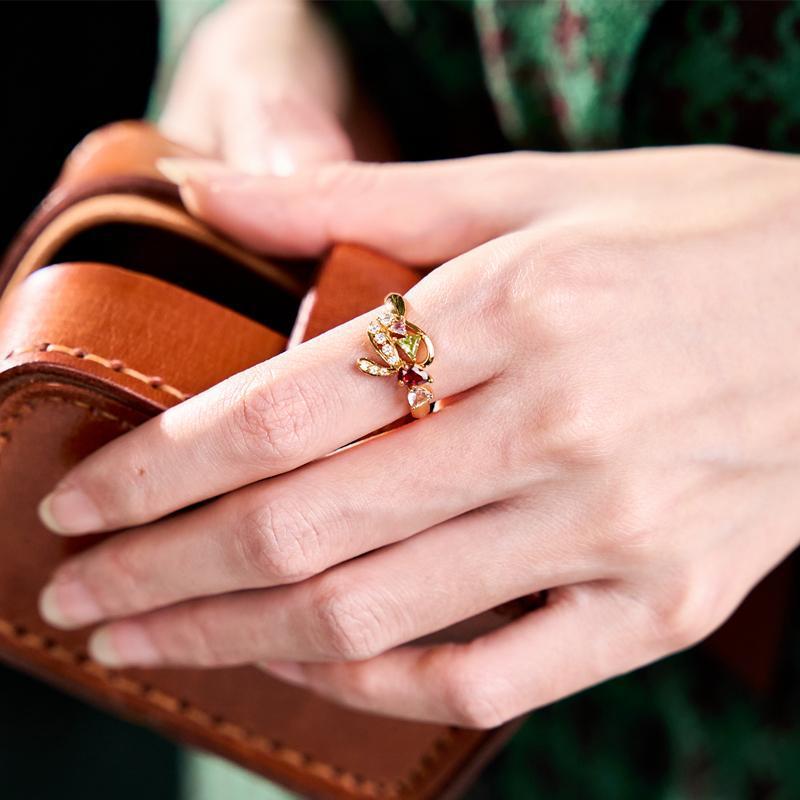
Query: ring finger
x=274, y=417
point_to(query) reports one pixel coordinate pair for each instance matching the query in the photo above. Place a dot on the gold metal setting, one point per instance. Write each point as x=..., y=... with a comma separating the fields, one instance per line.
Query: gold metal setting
x=405, y=350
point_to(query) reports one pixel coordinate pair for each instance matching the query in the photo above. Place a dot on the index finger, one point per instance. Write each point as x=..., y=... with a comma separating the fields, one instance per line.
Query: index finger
x=271, y=418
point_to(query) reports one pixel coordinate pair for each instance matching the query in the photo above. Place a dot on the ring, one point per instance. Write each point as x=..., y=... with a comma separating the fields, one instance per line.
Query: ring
x=400, y=345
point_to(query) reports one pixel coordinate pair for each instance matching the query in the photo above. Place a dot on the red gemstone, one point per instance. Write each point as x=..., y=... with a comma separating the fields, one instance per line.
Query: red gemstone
x=413, y=376
x=398, y=328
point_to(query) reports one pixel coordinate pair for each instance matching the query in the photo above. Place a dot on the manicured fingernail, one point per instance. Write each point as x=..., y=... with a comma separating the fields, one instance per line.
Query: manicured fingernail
x=183, y=172
x=289, y=671
x=69, y=511
x=125, y=644
x=68, y=604
x=180, y=170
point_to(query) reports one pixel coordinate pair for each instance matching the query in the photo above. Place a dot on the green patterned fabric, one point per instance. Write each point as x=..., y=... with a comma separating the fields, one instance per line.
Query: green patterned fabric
x=734, y=78
x=584, y=74
x=465, y=76
x=563, y=74
x=561, y=64
x=681, y=729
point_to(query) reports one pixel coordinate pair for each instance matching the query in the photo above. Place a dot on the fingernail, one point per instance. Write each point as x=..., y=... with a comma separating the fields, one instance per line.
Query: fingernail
x=69, y=511
x=68, y=605
x=289, y=671
x=123, y=644
x=180, y=170
x=184, y=171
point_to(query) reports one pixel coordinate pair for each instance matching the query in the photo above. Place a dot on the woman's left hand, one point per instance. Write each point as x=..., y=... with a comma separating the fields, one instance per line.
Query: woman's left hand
x=619, y=335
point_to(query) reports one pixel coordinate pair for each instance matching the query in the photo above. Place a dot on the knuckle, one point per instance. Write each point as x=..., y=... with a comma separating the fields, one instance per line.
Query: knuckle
x=194, y=639
x=274, y=417
x=572, y=428
x=555, y=303
x=473, y=701
x=552, y=295
x=682, y=616
x=580, y=434
x=280, y=540
x=116, y=579
x=626, y=521
x=347, y=623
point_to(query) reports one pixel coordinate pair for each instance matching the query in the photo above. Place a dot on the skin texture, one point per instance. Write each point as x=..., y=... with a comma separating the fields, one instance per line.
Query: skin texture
x=618, y=334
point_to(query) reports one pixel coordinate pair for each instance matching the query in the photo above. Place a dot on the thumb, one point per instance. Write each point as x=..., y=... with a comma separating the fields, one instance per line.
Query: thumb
x=278, y=136
x=422, y=213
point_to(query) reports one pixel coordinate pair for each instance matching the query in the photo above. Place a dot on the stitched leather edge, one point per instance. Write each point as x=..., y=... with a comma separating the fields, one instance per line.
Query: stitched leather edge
x=364, y=787
x=114, y=364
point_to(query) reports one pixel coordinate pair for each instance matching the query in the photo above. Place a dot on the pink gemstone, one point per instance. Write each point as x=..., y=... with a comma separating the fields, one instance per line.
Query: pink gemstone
x=419, y=396
x=413, y=376
x=398, y=327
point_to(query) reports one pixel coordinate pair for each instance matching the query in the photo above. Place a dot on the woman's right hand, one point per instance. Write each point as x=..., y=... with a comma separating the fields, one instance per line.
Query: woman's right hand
x=261, y=86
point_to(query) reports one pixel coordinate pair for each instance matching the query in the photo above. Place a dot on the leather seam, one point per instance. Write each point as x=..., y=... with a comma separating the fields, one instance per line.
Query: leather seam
x=114, y=364
x=350, y=781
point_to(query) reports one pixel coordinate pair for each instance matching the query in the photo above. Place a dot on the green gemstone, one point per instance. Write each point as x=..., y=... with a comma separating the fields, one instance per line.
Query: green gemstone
x=396, y=303
x=409, y=344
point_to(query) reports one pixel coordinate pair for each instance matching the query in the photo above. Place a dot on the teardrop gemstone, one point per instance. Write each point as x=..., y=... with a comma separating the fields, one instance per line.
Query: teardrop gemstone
x=413, y=376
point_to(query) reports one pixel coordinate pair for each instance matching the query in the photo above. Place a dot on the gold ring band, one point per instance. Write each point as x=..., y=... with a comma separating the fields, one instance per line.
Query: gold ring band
x=404, y=350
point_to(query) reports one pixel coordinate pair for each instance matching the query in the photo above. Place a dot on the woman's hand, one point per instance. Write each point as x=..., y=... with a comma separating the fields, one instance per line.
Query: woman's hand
x=262, y=86
x=618, y=334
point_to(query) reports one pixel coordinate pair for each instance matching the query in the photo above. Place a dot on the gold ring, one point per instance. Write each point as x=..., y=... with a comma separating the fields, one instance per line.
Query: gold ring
x=405, y=350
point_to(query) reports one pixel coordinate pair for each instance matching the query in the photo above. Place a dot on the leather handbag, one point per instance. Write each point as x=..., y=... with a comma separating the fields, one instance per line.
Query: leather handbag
x=116, y=305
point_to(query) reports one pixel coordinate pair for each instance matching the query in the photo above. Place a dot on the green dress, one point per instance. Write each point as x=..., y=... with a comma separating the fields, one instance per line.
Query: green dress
x=566, y=75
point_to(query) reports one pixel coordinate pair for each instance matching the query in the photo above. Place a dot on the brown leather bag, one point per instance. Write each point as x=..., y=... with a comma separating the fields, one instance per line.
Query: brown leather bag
x=116, y=306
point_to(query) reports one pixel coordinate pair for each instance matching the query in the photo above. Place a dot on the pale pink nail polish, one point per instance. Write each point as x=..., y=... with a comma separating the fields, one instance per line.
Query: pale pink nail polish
x=180, y=170
x=68, y=604
x=70, y=511
x=124, y=644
